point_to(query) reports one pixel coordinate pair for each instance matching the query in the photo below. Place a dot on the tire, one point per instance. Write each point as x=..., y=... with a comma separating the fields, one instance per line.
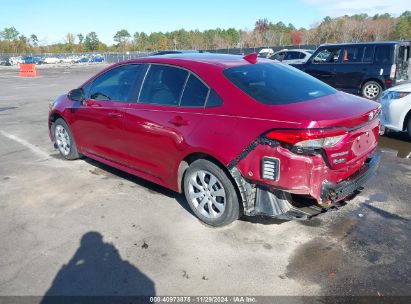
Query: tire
x=371, y=90
x=221, y=197
x=409, y=126
x=64, y=140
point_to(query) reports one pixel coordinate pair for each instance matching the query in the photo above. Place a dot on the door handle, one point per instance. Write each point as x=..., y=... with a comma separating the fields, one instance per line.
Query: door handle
x=178, y=121
x=114, y=115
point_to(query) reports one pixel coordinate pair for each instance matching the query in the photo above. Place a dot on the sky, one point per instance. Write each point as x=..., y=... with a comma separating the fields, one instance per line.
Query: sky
x=51, y=20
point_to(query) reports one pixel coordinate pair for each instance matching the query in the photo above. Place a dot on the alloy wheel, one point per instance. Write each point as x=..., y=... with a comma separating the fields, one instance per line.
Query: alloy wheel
x=371, y=91
x=63, y=140
x=207, y=194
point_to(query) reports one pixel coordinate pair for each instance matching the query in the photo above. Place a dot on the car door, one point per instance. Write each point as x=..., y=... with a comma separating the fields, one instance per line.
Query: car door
x=350, y=73
x=99, y=119
x=322, y=65
x=158, y=126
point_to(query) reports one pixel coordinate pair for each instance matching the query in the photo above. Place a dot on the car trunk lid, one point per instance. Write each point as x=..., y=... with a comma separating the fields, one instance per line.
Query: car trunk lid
x=357, y=117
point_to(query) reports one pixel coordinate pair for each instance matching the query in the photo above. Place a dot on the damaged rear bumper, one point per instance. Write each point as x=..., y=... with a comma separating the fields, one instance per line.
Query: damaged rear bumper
x=336, y=192
x=267, y=201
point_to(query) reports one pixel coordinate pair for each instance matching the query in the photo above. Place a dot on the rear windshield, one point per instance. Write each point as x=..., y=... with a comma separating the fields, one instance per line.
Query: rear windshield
x=275, y=83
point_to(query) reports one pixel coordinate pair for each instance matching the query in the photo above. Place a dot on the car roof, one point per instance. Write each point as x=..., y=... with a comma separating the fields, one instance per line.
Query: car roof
x=293, y=50
x=221, y=60
x=367, y=43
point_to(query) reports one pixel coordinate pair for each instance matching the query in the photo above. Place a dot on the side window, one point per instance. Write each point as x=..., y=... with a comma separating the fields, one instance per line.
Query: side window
x=353, y=54
x=86, y=89
x=368, y=53
x=327, y=56
x=163, y=85
x=195, y=93
x=382, y=54
x=279, y=56
x=303, y=55
x=291, y=56
x=116, y=84
x=213, y=99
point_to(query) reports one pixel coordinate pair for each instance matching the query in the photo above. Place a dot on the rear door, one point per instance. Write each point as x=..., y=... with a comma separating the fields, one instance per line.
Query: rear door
x=323, y=64
x=157, y=127
x=99, y=119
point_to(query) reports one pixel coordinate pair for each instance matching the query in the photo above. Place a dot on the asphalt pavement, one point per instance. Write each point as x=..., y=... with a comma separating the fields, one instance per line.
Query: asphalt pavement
x=83, y=228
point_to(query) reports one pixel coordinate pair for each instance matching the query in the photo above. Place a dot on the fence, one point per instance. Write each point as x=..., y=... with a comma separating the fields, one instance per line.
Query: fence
x=111, y=57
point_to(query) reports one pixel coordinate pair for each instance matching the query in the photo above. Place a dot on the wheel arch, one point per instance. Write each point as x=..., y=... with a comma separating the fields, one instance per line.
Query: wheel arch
x=407, y=117
x=190, y=158
x=52, y=118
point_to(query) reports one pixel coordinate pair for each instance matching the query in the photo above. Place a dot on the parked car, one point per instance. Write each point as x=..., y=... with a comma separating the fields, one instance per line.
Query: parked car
x=360, y=68
x=16, y=60
x=396, y=108
x=52, y=60
x=71, y=59
x=31, y=59
x=294, y=56
x=5, y=61
x=84, y=59
x=237, y=135
x=265, y=53
x=96, y=58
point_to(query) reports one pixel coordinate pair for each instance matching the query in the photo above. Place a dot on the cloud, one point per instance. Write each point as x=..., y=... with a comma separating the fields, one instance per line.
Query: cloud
x=336, y=8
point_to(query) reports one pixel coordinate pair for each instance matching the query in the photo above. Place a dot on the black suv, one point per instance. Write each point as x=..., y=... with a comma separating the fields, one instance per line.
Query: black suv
x=360, y=68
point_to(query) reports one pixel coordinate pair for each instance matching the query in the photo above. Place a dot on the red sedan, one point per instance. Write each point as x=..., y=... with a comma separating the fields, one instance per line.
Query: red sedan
x=237, y=135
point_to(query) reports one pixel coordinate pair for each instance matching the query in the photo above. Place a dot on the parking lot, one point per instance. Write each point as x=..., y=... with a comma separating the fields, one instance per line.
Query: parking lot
x=80, y=227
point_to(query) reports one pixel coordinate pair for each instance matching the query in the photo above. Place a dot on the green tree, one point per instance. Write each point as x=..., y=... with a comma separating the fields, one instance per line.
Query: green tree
x=10, y=34
x=122, y=37
x=403, y=27
x=80, y=38
x=34, y=40
x=91, y=41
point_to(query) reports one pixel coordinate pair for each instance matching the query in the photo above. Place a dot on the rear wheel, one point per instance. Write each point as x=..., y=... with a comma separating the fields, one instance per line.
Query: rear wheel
x=64, y=140
x=371, y=90
x=210, y=194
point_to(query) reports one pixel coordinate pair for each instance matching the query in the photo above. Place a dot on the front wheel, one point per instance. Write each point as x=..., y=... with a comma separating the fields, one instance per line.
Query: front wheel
x=211, y=194
x=371, y=90
x=64, y=140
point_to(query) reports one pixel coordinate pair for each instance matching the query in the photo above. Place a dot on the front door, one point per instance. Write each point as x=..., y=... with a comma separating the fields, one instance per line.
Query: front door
x=99, y=120
x=323, y=65
x=157, y=127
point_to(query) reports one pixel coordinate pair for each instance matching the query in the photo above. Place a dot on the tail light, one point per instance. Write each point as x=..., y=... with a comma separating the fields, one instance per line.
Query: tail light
x=309, y=138
x=392, y=71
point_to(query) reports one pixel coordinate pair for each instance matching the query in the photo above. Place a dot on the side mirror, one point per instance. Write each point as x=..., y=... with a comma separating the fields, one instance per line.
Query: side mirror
x=76, y=95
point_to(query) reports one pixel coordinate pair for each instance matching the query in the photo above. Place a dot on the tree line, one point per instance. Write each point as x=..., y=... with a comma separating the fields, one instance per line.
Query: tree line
x=355, y=28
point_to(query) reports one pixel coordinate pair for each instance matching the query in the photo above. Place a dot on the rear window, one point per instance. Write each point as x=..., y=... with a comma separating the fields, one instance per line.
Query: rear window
x=383, y=54
x=275, y=84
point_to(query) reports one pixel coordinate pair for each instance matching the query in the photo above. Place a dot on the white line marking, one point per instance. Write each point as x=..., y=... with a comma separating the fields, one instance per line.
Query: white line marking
x=25, y=143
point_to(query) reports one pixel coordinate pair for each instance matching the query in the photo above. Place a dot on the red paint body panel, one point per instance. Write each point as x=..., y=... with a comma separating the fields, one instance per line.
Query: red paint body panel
x=141, y=138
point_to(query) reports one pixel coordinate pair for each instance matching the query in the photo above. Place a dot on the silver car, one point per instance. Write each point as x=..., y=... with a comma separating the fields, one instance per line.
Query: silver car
x=396, y=108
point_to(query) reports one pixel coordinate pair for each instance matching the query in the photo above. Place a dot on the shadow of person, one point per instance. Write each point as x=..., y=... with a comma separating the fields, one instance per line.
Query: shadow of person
x=96, y=269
